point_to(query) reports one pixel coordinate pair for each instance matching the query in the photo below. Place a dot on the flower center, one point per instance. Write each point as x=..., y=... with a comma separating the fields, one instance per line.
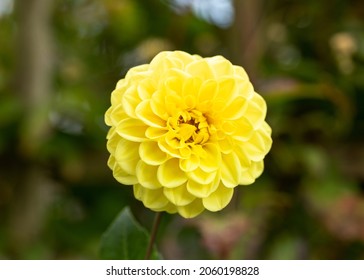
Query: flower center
x=189, y=127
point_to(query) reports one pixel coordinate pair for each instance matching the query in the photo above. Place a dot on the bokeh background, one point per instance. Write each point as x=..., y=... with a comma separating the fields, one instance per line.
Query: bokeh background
x=59, y=62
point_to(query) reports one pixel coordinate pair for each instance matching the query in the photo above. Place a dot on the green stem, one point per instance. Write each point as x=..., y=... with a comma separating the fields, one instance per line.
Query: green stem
x=153, y=235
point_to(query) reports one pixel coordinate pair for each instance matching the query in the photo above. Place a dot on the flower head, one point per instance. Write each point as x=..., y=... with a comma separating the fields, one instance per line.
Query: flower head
x=185, y=131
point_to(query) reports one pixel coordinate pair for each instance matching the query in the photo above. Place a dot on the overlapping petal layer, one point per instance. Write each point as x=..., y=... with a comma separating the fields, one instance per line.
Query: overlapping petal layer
x=185, y=131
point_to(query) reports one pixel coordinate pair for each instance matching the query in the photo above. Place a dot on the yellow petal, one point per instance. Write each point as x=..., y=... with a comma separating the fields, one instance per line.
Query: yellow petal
x=206, y=93
x=146, y=89
x=249, y=175
x=240, y=72
x=191, y=86
x=212, y=159
x=111, y=162
x=230, y=170
x=266, y=131
x=127, y=155
x=145, y=113
x=179, y=196
x=227, y=89
x=245, y=162
x=220, y=66
x=225, y=145
x=153, y=199
x=236, y=109
x=199, y=151
x=170, y=175
x=107, y=117
x=174, y=61
x=190, y=101
x=112, y=140
x=151, y=154
x=217, y=107
x=243, y=129
x=229, y=127
x=245, y=88
x=256, y=168
x=258, y=146
x=165, y=147
x=170, y=60
x=246, y=178
x=158, y=59
x=132, y=129
x=130, y=101
x=186, y=58
x=155, y=132
x=157, y=104
x=176, y=79
x=218, y=199
x=169, y=208
x=265, y=134
x=186, y=131
x=117, y=94
x=138, y=72
x=126, y=150
x=173, y=104
x=200, y=68
x=189, y=164
x=147, y=175
x=115, y=114
x=202, y=190
x=191, y=210
x=123, y=177
x=256, y=110
x=201, y=177
x=185, y=152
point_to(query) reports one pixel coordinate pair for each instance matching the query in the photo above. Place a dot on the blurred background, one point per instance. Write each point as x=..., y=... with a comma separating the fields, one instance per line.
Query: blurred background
x=59, y=62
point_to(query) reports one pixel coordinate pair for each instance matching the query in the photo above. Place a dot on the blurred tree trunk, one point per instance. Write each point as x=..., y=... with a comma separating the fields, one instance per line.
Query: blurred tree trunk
x=34, y=69
x=33, y=188
x=246, y=35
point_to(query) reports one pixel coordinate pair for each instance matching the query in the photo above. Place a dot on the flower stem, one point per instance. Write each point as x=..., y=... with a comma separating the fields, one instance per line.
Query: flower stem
x=153, y=235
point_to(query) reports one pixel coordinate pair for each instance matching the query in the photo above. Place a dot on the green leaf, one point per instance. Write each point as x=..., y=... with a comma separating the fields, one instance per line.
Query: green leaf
x=125, y=239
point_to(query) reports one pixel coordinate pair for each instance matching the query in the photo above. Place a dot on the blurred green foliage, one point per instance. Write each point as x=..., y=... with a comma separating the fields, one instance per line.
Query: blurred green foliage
x=57, y=195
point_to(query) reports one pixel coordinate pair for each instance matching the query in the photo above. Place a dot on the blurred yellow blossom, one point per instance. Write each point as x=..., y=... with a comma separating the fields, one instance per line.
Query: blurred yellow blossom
x=185, y=131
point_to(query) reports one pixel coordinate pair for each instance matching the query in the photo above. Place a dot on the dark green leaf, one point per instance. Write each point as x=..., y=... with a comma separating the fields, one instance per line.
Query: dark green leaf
x=125, y=239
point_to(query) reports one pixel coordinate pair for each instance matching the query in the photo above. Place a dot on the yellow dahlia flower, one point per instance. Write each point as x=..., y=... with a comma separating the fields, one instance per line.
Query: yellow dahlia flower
x=185, y=131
